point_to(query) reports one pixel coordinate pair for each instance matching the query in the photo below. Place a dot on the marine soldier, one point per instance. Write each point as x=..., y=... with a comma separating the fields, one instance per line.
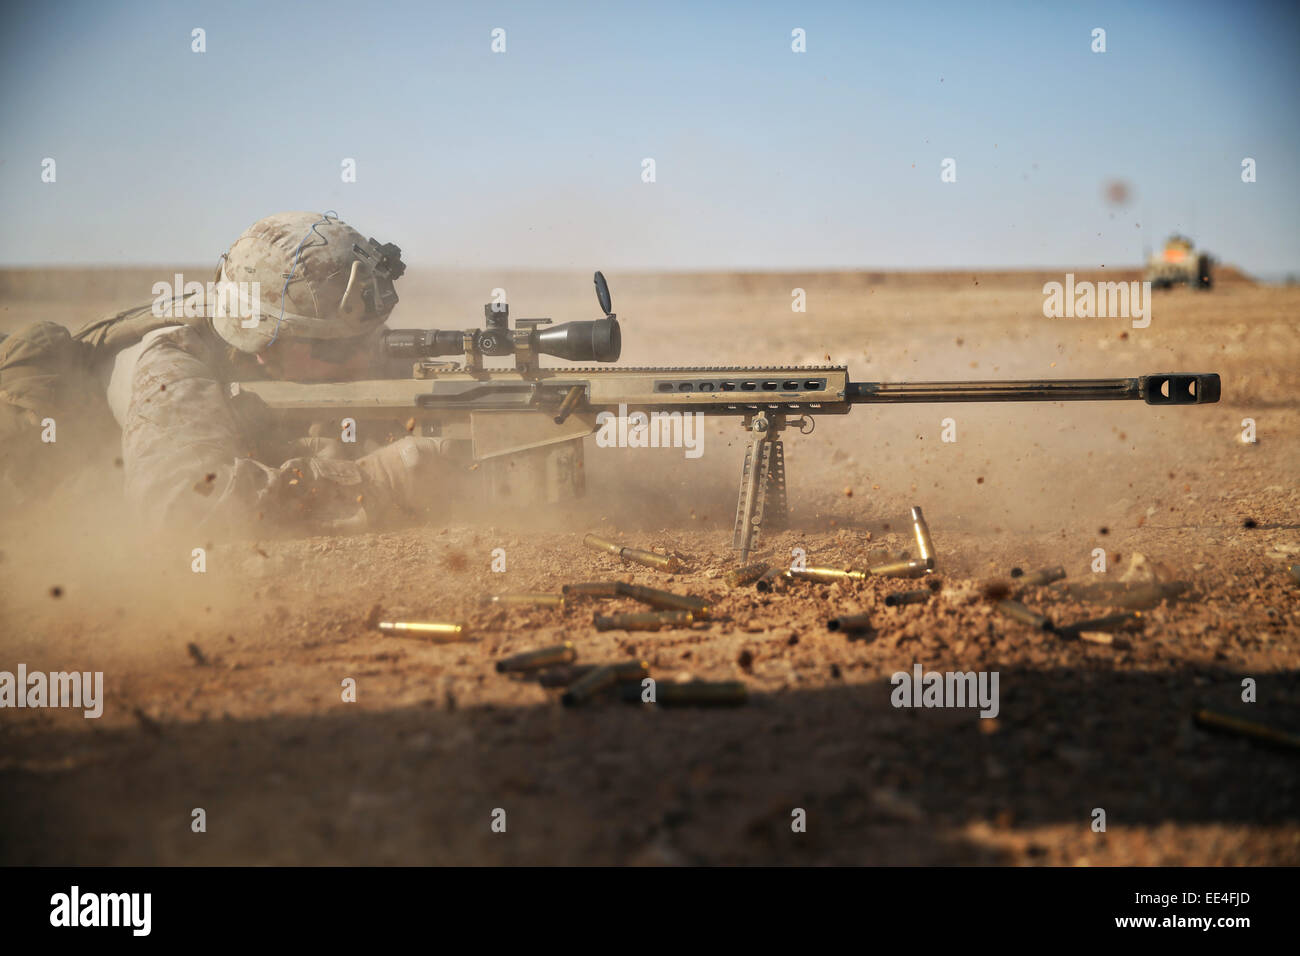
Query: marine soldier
x=193, y=457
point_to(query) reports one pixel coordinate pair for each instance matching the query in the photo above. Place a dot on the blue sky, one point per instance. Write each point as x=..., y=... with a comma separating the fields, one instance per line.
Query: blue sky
x=764, y=158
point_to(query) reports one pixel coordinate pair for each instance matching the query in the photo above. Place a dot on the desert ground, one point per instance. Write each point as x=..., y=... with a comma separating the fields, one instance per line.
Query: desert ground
x=223, y=689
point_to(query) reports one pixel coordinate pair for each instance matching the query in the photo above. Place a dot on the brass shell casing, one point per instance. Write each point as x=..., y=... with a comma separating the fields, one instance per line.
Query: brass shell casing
x=592, y=589
x=649, y=621
x=696, y=693
x=1018, y=612
x=649, y=559
x=526, y=599
x=665, y=600
x=922, y=532
x=907, y=597
x=602, y=678
x=899, y=569
x=850, y=623
x=436, y=631
x=826, y=575
x=1039, y=578
x=564, y=675
x=1226, y=723
x=538, y=659
x=602, y=544
x=1129, y=620
x=776, y=579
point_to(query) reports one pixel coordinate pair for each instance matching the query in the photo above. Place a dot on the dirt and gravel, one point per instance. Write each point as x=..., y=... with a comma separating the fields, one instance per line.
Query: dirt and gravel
x=224, y=690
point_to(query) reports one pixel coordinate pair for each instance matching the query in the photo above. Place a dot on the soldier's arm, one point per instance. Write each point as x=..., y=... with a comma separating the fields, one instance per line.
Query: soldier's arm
x=188, y=465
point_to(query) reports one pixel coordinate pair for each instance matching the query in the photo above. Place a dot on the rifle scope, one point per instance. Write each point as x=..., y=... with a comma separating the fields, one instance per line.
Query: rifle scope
x=598, y=340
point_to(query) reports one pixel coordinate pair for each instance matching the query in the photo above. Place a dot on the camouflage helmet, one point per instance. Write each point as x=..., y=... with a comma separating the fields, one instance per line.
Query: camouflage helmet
x=304, y=276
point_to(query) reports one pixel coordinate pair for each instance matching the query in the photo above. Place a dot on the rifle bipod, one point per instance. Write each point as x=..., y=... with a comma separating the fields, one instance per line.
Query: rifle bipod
x=762, y=502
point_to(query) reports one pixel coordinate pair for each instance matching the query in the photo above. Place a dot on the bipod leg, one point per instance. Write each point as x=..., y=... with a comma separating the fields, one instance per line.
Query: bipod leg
x=762, y=484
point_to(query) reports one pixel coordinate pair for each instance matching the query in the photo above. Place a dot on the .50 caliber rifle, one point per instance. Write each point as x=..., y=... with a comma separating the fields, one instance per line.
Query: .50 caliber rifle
x=509, y=413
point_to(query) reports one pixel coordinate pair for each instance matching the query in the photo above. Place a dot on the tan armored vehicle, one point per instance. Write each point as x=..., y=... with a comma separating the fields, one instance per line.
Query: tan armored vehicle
x=1179, y=263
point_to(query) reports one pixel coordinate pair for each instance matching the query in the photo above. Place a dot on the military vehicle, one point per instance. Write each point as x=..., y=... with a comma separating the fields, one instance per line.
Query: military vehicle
x=1179, y=263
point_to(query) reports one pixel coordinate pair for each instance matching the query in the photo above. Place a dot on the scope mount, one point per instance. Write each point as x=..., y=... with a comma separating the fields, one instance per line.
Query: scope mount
x=499, y=339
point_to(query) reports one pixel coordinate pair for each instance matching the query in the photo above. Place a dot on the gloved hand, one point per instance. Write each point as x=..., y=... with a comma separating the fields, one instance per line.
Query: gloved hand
x=405, y=475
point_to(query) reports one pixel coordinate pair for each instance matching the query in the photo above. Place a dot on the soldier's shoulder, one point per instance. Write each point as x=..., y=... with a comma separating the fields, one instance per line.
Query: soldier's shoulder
x=190, y=340
x=175, y=354
x=176, y=336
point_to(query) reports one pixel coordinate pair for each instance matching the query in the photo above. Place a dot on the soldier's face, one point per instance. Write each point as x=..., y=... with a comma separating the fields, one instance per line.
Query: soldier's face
x=294, y=362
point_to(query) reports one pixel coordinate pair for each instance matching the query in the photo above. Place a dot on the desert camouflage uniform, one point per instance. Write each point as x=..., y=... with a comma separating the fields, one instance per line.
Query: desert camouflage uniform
x=45, y=377
x=194, y=458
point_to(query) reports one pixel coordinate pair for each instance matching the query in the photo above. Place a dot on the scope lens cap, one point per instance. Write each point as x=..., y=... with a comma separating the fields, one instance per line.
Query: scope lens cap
x=602, y=293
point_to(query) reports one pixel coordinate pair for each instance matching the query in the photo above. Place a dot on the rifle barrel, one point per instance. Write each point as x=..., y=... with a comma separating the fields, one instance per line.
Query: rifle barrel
x=1173, y=388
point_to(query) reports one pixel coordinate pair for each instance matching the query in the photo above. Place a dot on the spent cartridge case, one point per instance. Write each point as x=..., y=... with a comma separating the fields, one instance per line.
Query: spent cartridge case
x=775, y=579
x=665, y=600
x=908, y=597
x=649, y=559
x=649, y=621
x=601, y=679
x=826, y=575
x=1226, y=723
x=436, y=631
x=899, y=569
x=525, y=599
x=695, y=693
x=1038, y=578
x=569, y=404
x=923, y=543
x=1016, y=610
x=850, y=623
x=603, y=544
x=1104, y=638
x=538, y=659
x=564, y=675
x=592, y=589
x=747, y=574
